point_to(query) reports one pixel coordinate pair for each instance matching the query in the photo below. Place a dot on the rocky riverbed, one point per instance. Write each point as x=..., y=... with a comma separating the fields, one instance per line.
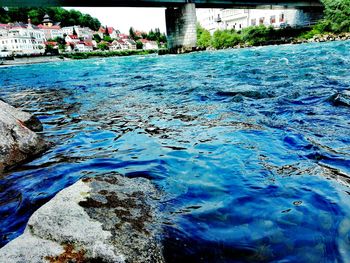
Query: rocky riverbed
x=19, y=141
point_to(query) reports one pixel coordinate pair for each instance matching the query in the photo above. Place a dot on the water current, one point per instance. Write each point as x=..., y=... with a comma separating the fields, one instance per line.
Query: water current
x=250, y=147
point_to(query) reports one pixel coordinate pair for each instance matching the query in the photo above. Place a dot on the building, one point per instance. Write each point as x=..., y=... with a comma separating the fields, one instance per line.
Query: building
x=82, y=32
x=84, y=46
x=148, y=44
x=3, y=29
x=237, y=19
x=117, y=45
x=50, y=29
x=130, y=43
x=22, y=39
x=113, y=33
x=210, y=19
x=72, y=39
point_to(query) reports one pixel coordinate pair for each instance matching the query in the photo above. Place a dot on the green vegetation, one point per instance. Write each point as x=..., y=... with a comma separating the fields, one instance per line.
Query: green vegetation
x=155, y=35
x=336, y=20
x=139, y=44
x=57, y=14
x=102, y=46
x=337, y=15
x=225, y=39
x=85, y=55
x=251, y=36
x=203, y=37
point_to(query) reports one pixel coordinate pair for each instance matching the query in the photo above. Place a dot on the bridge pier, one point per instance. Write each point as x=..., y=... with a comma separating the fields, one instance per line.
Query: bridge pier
x=181, y=28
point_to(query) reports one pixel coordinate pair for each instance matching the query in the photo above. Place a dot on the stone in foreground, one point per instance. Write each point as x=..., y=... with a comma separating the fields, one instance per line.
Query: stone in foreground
x=103, y=219
x=18, y=140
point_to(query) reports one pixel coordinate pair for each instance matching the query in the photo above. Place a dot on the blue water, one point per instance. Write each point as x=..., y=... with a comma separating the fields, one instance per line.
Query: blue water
x=252, y=155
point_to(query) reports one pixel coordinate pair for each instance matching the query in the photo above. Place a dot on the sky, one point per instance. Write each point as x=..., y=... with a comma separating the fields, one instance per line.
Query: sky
x=122, y=18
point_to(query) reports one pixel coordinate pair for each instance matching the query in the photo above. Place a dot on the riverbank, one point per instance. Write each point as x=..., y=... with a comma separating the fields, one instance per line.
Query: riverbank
x=30, y=60
x=72, y=56
x=263, y=36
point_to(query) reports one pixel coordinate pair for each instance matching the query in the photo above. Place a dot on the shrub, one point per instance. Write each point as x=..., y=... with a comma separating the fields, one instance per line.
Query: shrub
x=203, y=37
x=225, y=39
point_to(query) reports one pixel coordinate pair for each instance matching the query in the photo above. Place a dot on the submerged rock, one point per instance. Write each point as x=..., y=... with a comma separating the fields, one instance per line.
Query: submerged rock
x=103, y=219
x=341, y=99
x=18, y=140
x=253, y=94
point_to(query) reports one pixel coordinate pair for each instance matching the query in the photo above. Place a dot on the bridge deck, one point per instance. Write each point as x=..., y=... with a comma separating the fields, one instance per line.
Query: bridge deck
x=166, y=3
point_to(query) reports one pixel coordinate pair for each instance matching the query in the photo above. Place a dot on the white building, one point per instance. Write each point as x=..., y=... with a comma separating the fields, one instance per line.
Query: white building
x=113, y=33
x=149, y=45
x=23, y=39
x=3, y=29
x=210, y=19
x=82, y=32
x=84, y=46
x=213, y=19
x=51, y=31
x=72, y=39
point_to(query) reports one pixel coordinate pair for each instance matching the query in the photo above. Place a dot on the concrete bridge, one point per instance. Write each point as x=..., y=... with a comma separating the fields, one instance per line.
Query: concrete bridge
x=180, y=14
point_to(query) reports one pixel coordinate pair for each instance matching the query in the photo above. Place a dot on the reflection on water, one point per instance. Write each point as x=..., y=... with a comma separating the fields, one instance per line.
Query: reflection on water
x=250, y=147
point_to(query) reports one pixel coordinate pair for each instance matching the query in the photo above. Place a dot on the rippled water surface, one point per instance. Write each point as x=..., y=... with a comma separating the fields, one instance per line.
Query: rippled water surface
x=250, y=147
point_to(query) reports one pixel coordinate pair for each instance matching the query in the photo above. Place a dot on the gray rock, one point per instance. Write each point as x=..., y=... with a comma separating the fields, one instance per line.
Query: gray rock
x=102, y=219
x=29, y=120
x=18, y=143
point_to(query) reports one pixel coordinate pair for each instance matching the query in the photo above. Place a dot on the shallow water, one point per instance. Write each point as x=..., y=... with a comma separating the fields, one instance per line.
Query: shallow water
x=250, y=147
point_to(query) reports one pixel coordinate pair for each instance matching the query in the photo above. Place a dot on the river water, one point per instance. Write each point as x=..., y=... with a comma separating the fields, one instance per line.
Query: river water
x=250, y=147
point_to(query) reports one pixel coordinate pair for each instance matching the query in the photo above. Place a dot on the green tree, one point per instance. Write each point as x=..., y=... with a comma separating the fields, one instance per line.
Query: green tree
x=57, y=14
x=337, y=14
x=132, y=33
x=107, y=39
x=203, y=37
x=97, y=38
x=225, y=39
x=139, y=44
x=102, y=46
x=106, y=32
x=74, y=32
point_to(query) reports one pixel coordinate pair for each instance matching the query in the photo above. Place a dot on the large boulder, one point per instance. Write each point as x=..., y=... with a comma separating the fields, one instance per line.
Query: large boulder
x=18, y=140
x=103, y=219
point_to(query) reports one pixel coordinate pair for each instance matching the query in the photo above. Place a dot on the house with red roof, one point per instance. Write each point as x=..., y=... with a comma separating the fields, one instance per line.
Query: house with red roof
x=84, y=46
x=50, y=29
x=22, y=39
x=113, y=33
x=118, y=45
x=72, y=39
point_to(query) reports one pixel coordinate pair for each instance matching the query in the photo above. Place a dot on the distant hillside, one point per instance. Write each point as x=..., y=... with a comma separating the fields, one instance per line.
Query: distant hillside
x=57, y=14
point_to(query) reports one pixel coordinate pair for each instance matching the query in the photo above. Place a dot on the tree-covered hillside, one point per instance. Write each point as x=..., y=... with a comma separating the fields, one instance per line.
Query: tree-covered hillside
x=57, y=14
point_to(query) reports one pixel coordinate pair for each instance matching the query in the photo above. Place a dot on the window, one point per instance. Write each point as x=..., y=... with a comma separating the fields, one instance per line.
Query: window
x=282, y=17
x=272, y=19
x=261, y=20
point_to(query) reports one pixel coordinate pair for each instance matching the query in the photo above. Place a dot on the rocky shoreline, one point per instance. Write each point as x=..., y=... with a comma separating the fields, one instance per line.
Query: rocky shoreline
x=295, y=41
x=19, y=141
x=107, y=218
x=17, y=61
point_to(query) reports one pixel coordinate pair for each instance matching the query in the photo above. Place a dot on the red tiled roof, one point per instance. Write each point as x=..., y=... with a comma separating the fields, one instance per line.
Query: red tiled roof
x=89, y=44
x=103, y=30
x=73, y=36
x=123, y=36
x=48, y=27
x=53, y=43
